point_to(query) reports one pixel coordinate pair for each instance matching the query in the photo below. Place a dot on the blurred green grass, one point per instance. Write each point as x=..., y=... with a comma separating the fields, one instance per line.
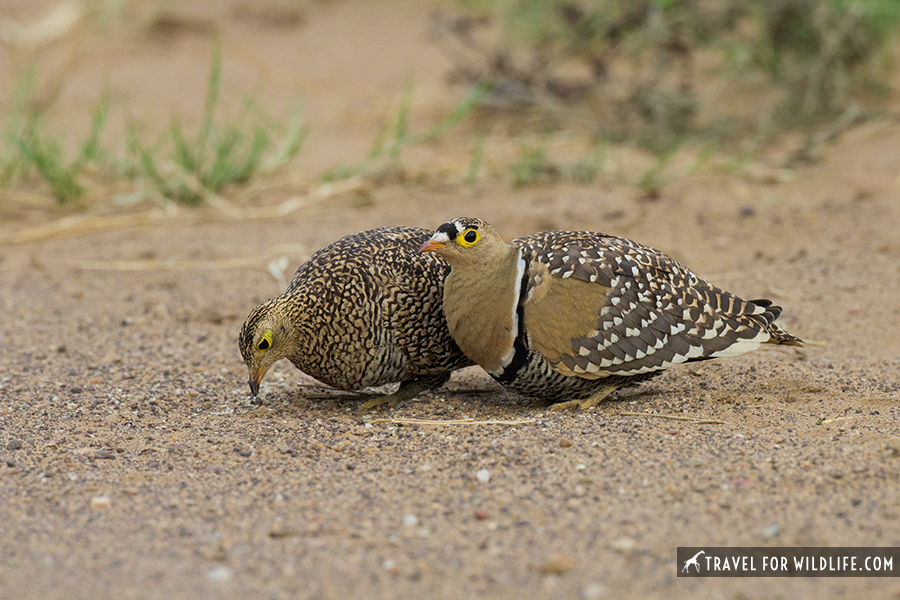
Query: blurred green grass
x=665, y=76
x=181, y=167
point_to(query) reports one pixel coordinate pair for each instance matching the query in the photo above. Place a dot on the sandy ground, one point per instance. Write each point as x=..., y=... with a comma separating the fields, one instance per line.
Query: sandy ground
x=134, y=463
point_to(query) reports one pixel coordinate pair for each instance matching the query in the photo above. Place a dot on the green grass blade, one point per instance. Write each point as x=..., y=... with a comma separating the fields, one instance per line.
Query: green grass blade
x=90, y=149
x=476, y=159
x=212, y=96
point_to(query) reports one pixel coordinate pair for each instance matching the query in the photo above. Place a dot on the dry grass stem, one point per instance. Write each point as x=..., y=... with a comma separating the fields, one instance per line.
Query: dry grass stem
x=188, y=265
x=402, y=421
x=82, y=224
x=833, y=419
x=694, y=420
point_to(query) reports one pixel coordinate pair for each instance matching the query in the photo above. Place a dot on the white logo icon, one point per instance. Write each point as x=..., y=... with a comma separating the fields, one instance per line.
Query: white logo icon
x=692, y=561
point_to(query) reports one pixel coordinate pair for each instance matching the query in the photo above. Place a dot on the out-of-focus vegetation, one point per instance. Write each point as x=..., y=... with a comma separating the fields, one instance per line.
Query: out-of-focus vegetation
x=177, y=166
x=656, y=71
x=718, y=76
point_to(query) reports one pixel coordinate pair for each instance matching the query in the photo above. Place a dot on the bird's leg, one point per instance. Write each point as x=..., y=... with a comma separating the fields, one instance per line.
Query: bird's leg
x=599, y=395
x=409, y=389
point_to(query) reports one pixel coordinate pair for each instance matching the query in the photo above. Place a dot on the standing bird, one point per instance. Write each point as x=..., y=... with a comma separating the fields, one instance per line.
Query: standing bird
x=363, y=311
x=580, y=314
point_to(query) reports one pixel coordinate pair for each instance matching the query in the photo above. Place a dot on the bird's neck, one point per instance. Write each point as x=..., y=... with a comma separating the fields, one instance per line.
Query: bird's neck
x=480, y=303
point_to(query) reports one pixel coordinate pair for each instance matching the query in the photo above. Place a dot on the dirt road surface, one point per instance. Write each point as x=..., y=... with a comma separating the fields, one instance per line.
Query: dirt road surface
x=134, y=463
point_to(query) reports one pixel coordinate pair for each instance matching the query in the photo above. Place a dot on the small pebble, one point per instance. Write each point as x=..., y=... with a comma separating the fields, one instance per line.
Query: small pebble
x=481, y=515
x=410, y=520
x=592, y=591
x=557, y=564
x=219, y=574
x=100, y=502
x=14, y=444
x=483, y=475
x=770, y=531
x=564, y=443
x=623, y=544
x=390, y=565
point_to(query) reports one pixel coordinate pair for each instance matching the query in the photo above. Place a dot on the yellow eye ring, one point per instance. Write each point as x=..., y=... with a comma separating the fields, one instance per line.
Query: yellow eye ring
x=265, y=341
x=468, y=238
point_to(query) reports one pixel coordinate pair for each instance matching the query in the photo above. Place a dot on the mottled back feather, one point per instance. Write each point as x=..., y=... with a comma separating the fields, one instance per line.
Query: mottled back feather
x=366, y=310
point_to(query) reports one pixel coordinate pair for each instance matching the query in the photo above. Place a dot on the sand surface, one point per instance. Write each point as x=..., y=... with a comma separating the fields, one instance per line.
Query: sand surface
x=134, y=463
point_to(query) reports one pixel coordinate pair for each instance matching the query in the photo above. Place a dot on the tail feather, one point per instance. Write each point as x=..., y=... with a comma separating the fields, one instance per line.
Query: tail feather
x=778, y=335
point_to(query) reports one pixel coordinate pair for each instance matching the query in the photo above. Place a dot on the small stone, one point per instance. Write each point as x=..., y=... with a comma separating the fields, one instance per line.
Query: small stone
x=11, y=464
x=483, y=475
x=556, y=564
x=100, y=502
x=101, y=454
x=623, y=544
x=592, y=591
x=481, y=515
x=76, y=389
x=390, y=565
x=410, y=520
x=564, y=443
x=285, y=449
x=219, y=574
x=770, y=531
x=14, y=444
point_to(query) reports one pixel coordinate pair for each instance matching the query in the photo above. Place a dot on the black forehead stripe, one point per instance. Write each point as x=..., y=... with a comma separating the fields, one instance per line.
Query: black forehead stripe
x=450, y=229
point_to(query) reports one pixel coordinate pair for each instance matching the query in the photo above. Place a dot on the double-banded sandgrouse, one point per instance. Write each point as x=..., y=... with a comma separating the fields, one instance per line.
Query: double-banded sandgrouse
x=576, y=314
x=363, y=311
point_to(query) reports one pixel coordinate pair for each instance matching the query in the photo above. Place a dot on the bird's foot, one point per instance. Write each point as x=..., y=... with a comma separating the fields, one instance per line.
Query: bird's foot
x=570, y=405
x=585, y=404
x=408, y=390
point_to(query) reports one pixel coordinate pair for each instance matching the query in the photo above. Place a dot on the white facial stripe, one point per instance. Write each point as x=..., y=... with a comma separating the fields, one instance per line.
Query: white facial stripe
x=440, y=237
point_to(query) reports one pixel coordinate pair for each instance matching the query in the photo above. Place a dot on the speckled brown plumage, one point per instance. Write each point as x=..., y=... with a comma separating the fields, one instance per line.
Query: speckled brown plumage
x=363, y=311
x=562, y=314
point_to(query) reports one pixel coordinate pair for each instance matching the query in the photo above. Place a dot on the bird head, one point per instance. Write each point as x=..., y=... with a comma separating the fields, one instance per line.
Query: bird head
x=466, y=240
x=263, y=340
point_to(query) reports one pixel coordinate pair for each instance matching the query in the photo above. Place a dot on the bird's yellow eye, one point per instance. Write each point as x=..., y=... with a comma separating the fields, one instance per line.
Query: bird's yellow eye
x=468, y=238
x=265, y=342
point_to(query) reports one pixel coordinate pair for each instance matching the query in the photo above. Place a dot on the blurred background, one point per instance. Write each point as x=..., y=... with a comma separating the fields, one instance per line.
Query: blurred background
x=121, y=106
x=165, y=166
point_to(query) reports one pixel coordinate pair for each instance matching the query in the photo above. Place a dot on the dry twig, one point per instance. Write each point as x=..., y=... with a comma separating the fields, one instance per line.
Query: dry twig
x=402, y=421
x=87, y=224
x=693, y=420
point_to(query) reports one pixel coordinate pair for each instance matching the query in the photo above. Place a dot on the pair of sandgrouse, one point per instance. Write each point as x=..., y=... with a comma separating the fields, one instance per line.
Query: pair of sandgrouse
x=565, y=317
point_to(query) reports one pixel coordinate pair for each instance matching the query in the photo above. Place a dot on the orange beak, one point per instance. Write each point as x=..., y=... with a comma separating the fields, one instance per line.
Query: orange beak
x=431, y=246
